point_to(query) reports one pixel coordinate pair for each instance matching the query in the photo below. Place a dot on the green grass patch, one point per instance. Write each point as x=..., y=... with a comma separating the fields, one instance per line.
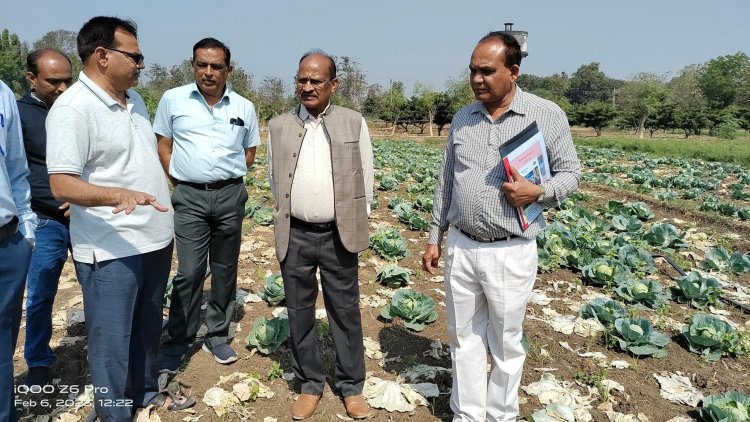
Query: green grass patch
x=737, y=151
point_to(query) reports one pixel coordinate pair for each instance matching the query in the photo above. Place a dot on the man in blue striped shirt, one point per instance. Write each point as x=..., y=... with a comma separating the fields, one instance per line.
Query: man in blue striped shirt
x=491, y=262
x=17, y=224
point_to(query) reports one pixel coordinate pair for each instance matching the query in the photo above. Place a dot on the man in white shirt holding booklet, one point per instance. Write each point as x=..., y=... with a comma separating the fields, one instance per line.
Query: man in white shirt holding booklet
x=491, y=260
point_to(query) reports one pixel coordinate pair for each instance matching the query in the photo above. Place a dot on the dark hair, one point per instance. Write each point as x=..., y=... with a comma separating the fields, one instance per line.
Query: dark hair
x=512, y=48
x=331, y=65
x=213, y=43
x=100, y=32
x=32, y=60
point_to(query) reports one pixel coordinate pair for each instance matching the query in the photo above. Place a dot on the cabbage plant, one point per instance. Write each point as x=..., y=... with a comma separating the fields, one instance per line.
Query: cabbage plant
x=713, y=338
x=643, y=292
x=411, y=217
x=263, y=216
x=559, y=242
x=638, y=260
x=415, y=308
x=696, y=290
x=389, y=244
x=710, y=203
x=640, y=210
x=626, y=223
x=732, y=406
x=604, y=310
x=389, y=183
x=274, y=291
x=605, y=272
x=251, y=206
x=424, y=203
x=665, y=236
x=637, y=336
x=267, y=335
x=393, y=202
x=393, y=276
x=719, y=259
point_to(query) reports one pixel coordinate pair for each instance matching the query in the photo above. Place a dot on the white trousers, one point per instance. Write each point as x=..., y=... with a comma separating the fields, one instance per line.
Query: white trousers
x=487, y=287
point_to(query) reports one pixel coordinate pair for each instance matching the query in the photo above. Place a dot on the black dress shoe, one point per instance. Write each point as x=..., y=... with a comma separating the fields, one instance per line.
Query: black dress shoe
x=38, y=375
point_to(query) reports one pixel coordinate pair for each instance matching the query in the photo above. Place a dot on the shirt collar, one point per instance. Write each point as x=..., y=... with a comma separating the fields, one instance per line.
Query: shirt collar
x=304, y=114
x=517, y=104
x=98, y=91
x=37, y=99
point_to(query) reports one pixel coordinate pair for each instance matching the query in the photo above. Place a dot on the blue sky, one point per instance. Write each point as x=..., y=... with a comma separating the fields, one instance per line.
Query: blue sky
x=417, y=40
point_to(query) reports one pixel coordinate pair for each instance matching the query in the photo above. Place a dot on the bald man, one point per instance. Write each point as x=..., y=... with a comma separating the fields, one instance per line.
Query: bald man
x=49, y=74
x=320, y=164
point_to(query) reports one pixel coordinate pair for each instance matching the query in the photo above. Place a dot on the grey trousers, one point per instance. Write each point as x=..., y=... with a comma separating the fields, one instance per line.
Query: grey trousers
x=308, y=251
x=207, y=223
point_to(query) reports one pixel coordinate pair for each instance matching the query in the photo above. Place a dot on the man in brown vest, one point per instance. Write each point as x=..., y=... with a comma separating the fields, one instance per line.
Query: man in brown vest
x=320, y=164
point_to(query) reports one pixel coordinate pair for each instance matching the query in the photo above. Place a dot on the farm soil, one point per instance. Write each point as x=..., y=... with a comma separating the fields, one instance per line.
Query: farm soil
x=641, y=394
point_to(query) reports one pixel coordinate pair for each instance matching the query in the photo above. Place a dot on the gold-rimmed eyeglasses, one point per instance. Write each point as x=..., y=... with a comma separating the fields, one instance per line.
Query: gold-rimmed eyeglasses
x=316, y=84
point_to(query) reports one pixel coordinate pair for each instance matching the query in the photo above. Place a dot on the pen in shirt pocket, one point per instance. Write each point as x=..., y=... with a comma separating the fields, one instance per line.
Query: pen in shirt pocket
x=236, y=121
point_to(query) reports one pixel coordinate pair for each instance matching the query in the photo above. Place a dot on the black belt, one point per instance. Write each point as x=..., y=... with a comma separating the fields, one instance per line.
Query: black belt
x=9, y=229
x=316, y=227
x=482, y=239
x=212, y=185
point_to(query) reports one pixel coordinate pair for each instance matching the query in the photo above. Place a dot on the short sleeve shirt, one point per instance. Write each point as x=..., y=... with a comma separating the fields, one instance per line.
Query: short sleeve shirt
x=208, y=143
x=91, y=135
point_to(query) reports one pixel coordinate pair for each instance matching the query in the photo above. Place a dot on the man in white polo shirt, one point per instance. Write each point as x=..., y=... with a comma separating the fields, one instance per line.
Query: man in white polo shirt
x=207, y=137
x=102, y=159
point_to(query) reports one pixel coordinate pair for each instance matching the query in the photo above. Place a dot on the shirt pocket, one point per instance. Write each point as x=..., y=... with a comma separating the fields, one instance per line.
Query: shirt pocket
x=233, y=136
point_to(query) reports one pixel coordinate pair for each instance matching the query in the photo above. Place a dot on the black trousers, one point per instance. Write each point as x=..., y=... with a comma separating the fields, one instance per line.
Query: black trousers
x=207, y=223
x=308, y=251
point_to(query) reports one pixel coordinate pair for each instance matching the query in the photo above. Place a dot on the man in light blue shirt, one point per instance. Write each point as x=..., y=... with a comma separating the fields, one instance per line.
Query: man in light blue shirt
x=17, y=224
x=207, y=136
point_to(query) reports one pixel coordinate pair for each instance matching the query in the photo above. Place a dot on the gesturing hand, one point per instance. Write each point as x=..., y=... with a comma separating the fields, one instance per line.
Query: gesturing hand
x=127, y=200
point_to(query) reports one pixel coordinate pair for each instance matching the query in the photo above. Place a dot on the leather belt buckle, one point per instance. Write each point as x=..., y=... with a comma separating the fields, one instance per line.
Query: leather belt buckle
x=212, y=185
x=316, y=227
x=482, y=239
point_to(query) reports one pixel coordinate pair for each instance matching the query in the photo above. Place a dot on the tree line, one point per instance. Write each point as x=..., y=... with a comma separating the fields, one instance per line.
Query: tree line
x=712, y=97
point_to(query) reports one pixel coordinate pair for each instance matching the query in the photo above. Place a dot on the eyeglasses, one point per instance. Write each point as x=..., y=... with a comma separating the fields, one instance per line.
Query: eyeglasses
x=136, y=57
x=316, y=84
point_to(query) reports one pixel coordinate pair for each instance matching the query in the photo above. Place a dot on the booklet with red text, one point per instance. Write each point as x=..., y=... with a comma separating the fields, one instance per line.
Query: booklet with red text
x=527, y=152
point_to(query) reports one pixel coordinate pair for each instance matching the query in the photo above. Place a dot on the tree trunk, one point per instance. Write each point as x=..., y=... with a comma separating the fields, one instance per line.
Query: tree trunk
x=431, y=115
x=641, y=123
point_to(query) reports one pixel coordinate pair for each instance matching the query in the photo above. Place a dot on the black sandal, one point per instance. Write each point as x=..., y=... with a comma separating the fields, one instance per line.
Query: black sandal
x=179, y=402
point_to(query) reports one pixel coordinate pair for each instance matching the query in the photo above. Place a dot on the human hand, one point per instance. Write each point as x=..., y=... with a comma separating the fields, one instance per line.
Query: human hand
x=430, y=258
x=65, y=206
x=520, y=192
x=127, y=200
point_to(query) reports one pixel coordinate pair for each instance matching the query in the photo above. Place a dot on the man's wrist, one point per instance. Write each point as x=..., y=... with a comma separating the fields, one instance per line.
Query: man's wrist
x=541, y=193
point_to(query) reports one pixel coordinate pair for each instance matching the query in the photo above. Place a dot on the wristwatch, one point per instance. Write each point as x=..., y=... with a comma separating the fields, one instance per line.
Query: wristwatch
x=541, y=193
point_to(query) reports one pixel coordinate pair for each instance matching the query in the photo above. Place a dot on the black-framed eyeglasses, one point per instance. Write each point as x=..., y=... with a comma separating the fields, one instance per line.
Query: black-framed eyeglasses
x=136, y=57
x=316, y=84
